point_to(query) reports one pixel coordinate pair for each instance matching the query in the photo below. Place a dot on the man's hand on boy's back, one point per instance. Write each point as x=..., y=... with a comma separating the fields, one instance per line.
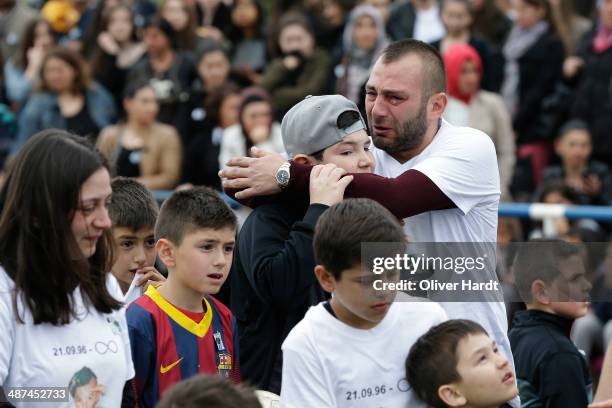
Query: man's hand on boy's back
x=327, y=184
x=255, y=176
x=150, y=276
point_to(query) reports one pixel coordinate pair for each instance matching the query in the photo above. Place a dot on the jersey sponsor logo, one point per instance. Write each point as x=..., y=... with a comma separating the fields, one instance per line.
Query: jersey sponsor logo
x=164, y=370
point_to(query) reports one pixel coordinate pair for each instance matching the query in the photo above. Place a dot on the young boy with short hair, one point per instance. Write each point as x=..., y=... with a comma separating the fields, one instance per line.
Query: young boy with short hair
x=550, y=278
x=210, y=392
x=133, y=212
x=350, y=351
x=274, y=261
x=179, y=330
x=457, y=364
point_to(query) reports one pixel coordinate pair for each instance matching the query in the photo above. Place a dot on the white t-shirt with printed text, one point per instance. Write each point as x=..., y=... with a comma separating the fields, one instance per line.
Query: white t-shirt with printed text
x=95, y=348
x=327, y=363
x=462, y=162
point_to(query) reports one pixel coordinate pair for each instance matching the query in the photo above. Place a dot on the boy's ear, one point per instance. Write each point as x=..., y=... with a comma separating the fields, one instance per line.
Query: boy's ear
x=304, y=159
x=539, y=292
x=451, y=395
x=325, y=278
x=165, y=251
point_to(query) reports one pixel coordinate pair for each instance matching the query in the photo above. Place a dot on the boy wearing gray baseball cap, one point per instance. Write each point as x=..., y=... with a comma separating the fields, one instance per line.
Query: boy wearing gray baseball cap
x=272, y=281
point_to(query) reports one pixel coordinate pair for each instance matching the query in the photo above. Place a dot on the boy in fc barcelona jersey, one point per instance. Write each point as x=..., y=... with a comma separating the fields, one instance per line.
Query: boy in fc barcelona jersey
x=178, y=330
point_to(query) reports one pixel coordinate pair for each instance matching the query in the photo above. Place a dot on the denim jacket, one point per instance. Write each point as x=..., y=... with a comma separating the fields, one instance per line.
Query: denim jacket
x=43, y=112
x=18, y=87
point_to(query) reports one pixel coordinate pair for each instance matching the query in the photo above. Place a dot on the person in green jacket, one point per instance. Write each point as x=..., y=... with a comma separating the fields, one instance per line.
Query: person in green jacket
x=300, y=70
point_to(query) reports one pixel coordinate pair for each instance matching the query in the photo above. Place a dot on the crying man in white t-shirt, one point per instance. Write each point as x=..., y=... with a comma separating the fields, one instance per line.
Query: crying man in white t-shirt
x=350, y=351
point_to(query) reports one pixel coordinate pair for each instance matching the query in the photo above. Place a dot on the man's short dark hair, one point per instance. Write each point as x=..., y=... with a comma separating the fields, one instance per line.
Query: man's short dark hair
x=342, y=229
x=209, y=392
x=187, y=210
x=540, y=259
x=132, y=205
x=434, y=74
x=432, y=361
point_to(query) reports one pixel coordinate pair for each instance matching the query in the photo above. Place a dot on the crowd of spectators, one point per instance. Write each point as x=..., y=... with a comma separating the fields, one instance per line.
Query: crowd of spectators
x=132, y=75
x=170, y=90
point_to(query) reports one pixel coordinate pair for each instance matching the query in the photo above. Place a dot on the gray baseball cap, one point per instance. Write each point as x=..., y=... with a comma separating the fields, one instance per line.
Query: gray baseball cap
x=312, y=124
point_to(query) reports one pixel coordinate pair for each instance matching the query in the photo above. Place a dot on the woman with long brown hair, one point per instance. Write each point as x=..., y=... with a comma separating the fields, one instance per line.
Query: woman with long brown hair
x=60, y=319
x=117, y=50
x=23, y=69
x=67, y=99
x=182, y=17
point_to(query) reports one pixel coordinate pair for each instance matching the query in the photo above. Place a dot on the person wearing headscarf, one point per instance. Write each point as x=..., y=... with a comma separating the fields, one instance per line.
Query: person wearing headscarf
x=468, y=105
x=363, y=40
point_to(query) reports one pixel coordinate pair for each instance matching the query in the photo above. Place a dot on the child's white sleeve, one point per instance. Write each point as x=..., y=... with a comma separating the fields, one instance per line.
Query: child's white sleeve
x=113, y=287
x=304, y=381
x=7, y=316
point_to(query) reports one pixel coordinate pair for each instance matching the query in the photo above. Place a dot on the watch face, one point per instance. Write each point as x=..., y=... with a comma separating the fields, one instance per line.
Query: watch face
x=282, y=177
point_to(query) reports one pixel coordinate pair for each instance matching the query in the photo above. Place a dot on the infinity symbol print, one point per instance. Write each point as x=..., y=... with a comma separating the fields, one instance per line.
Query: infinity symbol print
x=103, y=348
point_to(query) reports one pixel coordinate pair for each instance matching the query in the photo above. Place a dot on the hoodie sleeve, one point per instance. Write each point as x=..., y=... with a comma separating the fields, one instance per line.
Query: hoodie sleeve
x=276, y=256
x=562, y=382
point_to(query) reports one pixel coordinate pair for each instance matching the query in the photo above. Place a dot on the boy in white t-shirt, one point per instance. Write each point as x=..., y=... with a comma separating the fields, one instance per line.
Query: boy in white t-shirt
x=349, y=352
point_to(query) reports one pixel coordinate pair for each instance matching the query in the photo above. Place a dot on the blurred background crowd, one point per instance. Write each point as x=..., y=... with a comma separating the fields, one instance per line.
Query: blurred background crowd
x=171, y=89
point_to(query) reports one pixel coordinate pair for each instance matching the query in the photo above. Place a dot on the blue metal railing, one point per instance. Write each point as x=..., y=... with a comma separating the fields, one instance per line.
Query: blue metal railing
x=534, y=211
x=540, y=211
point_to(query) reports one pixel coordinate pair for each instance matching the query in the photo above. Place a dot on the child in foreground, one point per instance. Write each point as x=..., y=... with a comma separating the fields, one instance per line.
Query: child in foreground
x=210, y=392
x=457, y=364
x=551, y=371
x=350, y=351
x=178, y=330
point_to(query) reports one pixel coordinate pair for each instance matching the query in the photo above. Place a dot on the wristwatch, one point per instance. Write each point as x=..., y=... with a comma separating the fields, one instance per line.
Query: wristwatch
x=283, y=175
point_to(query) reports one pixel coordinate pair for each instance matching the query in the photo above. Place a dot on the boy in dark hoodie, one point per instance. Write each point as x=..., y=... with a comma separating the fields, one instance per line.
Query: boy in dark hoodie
x=550, y=370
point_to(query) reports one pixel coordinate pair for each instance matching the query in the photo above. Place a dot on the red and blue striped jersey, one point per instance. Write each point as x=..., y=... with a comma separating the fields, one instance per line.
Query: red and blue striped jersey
x=168, y=346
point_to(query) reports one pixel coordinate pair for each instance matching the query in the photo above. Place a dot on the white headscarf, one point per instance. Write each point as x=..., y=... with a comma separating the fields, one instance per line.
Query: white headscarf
x=360, y=61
